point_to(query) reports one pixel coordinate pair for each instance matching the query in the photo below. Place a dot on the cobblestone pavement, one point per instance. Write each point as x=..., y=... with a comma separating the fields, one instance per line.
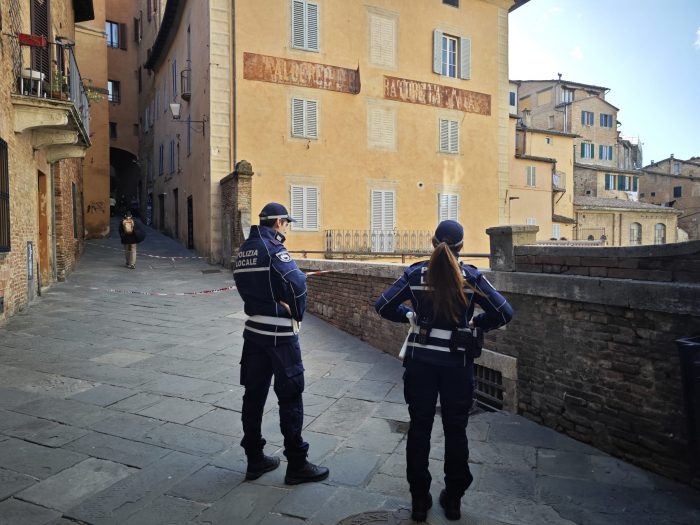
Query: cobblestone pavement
x=124, y=408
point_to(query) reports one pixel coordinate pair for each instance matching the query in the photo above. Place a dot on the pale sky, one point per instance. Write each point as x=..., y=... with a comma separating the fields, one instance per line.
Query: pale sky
x=646, y=51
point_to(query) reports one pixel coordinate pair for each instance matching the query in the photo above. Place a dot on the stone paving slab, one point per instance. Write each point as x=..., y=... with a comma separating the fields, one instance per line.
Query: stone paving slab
x=208, y=484
x=72, y=485
x=16, y=512
x=47, y=433
x=117, y=449
x=35, y=460
x=102, y=395
x=13, y=482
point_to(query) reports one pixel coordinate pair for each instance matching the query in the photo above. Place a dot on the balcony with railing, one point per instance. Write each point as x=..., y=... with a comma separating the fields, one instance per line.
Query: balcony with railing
x=378, y=242
x=49, y=97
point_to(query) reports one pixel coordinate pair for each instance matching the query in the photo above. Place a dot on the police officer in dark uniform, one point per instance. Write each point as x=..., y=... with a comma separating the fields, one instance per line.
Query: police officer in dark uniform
x=274, y=292
x=443, y=341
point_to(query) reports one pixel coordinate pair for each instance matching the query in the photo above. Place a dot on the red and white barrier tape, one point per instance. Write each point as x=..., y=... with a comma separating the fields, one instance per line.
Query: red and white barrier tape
x=163, y=294
x=140, y=254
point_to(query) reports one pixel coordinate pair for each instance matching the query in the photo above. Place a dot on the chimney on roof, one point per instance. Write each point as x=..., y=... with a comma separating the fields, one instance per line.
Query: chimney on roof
x=559, y=75
x=671, y=155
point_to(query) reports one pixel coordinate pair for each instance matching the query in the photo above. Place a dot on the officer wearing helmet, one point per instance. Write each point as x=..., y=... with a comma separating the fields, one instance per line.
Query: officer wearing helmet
x=274, y=292
x=444, y=339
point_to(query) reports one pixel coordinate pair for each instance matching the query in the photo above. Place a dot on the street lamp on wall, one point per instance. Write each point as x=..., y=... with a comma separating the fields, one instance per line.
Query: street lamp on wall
x=175, y=113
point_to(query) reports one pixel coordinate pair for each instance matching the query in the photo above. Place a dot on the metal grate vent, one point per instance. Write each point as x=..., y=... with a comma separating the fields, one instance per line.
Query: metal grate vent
x=489, y=387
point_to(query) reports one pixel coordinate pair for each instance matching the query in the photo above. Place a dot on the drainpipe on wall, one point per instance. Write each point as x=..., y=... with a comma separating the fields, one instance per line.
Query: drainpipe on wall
x=234, y=153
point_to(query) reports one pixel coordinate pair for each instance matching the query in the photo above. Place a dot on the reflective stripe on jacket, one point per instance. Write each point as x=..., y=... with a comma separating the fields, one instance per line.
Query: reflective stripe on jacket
x=412, y=286
x=266, y=274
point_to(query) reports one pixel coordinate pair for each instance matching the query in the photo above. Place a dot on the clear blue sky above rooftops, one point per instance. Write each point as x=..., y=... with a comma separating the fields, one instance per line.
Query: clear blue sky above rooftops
x=646, y=51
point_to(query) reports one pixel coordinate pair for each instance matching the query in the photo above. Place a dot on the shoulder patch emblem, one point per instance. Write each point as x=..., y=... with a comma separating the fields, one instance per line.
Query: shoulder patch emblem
x=284, y=257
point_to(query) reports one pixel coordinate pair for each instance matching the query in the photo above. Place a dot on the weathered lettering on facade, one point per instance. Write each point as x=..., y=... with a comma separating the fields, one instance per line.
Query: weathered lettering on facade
x=297, y=73
x=415, y=92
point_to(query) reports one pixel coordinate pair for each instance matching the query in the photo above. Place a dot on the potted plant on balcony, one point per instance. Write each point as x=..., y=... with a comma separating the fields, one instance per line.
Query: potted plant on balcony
x=58, y=88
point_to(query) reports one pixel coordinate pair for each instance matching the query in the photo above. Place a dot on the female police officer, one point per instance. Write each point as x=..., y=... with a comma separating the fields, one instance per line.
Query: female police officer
x=440, y=348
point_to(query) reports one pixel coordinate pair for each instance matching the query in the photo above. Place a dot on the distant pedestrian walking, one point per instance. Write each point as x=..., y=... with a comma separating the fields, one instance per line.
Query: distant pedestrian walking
x=443, y=341
x=130, y=235
x=274, y=292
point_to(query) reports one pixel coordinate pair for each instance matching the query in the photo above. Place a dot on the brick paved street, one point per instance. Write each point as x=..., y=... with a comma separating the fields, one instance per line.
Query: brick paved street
x=124, y=408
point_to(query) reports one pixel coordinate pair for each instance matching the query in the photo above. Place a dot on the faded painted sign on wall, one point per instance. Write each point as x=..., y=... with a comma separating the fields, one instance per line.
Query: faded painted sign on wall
x=298, y=73
x=415, y=92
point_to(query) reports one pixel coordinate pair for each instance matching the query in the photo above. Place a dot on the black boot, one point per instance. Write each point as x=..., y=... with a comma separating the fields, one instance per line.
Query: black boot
x=420, y=506
x=451, y=505
x=258, y=467
x=306, y=473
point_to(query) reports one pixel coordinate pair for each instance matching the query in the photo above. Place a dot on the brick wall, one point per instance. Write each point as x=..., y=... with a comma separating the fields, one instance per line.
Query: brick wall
x=236, y=196
x=596, y=357
x=663, y=263
x=68, y=247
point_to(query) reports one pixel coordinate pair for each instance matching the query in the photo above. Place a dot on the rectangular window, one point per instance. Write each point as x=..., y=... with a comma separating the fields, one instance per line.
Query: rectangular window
x=677, y=192
x=453, y=3
x=449, y=136
x=304, y=118
x=174, y=79
x=567, y=96
x=382, y=40
x=587, y=118
x=4, y=197
x=381, y=122
x=635, y=183
x=624, y=183
x=511, y=98
x=304, y=207
x=556, y=231
x=113, y=33
x=448, y=206
x=161, y=159
x=609, y=181
x=172, y=157
x=75, y=210
x=606, y=120
x=305, y=28
x=676, y=168
x=531, y=176
x=451, y=56
x=114, y=91
x=587, y=151
x=531, y=221
x=605, y=152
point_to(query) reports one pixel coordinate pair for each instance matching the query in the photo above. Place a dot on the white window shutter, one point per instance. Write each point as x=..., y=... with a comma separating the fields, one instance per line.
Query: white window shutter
x=465, y=58
x=297, y=200
x=312, y=26
x=387, y=127
x=297, y=117
x=376, y=210
x=442, y=207
x=454, y=136
x=387, y=41
x=389, y=219
x=444, y=135
x=437, y=52
x=453, y=207
x=297, y=23
x=311, y=219
x=311, y=119
x=375, y=39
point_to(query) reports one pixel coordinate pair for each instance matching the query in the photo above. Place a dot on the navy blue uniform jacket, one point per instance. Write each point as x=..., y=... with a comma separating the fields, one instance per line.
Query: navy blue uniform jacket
x=265, y=274
x=411, y=286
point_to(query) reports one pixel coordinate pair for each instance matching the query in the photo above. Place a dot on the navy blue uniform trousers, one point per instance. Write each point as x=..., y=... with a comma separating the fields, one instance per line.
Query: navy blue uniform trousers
x=258, y=365
x=423, y=383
